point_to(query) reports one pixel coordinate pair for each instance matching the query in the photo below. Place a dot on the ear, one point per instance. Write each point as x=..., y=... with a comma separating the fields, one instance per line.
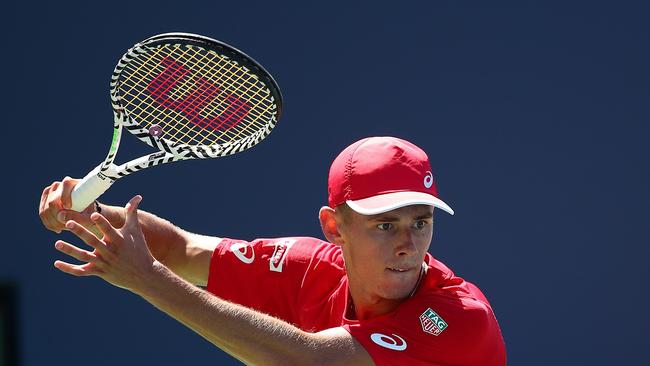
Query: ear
x=329, y=225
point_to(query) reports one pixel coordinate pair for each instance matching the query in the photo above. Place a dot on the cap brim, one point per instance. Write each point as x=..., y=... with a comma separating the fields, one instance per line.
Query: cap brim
x=391, y=201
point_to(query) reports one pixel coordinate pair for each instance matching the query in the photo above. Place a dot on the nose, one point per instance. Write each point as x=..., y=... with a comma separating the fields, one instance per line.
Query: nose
x=406, y=244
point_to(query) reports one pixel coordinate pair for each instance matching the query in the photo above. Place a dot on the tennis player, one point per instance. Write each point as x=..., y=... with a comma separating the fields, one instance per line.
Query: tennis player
x=370, y=294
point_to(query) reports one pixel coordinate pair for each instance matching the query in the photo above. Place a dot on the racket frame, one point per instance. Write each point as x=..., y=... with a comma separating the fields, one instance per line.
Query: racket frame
x=97, y=181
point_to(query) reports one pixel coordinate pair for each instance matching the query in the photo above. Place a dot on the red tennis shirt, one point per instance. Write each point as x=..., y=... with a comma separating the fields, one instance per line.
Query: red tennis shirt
x=447, y=320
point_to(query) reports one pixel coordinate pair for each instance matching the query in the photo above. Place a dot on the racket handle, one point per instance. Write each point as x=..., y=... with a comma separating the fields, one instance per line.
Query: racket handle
x=89, y=188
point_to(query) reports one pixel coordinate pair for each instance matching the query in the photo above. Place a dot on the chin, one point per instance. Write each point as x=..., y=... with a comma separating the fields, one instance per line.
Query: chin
x=396, y=292
x=398, y=287
x=395, y=295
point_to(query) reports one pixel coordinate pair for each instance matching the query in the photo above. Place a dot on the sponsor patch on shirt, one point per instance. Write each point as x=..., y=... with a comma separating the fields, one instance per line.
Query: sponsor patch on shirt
x=279, y=254
x=432, y=323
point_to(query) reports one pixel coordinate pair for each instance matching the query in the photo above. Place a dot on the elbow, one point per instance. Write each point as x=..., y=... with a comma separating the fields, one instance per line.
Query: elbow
x=320, y=349
x=310, y=351
x=292, y=360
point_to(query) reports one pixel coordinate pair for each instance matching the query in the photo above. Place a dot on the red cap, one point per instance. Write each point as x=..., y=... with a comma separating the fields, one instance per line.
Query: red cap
x=379, y=174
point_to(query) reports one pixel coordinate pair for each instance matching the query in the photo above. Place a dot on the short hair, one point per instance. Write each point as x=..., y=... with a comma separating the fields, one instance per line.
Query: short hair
x=344, y=211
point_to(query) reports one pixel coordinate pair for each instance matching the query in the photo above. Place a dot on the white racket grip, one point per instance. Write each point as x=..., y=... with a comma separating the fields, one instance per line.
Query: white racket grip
x=89, y=188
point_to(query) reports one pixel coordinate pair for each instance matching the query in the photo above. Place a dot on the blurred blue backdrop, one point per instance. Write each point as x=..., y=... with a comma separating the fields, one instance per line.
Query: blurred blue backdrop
x=534, y=113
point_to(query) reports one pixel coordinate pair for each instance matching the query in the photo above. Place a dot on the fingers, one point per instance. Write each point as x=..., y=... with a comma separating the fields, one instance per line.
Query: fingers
x=88, y=237
x=55, y=185
x=76, y=253
x=105, y=227
x=50, y=206
x=41, y=205
x=82, y=218
x=87, y=269
x=45, y=219
x=66, y=193
x=54, y=200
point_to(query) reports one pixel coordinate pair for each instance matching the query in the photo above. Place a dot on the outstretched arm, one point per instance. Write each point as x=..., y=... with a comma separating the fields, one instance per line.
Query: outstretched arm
x=122, y=258
x=185, y=253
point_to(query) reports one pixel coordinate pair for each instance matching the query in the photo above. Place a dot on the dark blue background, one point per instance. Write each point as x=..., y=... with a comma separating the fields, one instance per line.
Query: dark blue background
x=534, y=114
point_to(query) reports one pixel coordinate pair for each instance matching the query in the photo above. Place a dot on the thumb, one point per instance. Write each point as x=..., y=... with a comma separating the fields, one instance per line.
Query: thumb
x=132, y=211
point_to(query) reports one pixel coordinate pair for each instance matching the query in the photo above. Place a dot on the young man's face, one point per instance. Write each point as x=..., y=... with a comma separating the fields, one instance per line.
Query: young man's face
x=384, y=253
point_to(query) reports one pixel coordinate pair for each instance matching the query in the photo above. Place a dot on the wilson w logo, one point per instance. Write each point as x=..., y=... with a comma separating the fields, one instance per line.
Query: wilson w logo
x=193, y=104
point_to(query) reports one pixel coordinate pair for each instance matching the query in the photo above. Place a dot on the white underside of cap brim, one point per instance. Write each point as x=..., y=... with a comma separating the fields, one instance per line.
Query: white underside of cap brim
x=391, y=201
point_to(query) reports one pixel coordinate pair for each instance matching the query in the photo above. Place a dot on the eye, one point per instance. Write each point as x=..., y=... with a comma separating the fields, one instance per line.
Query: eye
x=385, y=226
x=420, y=224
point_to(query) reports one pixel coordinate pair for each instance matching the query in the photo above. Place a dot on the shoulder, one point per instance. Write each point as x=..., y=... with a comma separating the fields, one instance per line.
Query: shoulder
x=463, y=324
x=454, y=315
x=447, y=295
x=446, y=321
x=433, y=330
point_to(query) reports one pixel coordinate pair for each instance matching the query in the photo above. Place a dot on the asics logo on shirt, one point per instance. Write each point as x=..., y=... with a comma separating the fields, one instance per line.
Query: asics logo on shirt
x=244, y=252
x=396, y=343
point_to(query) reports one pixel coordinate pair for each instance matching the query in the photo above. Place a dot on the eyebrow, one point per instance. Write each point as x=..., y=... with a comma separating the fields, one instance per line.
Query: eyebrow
x=390, y=218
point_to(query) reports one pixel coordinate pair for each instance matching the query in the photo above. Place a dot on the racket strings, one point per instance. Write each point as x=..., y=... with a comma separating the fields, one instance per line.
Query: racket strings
x=208, y=92
x=175, y=86
x=195, y=105
x=181, y=89
x=239, y=73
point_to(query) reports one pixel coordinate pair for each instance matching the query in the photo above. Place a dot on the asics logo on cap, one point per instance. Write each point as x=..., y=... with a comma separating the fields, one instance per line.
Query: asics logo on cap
x=428, y=180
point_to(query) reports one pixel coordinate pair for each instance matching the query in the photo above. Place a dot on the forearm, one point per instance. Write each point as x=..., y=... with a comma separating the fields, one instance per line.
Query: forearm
x=252, y=337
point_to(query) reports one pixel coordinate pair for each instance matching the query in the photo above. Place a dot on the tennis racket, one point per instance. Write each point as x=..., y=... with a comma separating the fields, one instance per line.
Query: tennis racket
x=189, y=97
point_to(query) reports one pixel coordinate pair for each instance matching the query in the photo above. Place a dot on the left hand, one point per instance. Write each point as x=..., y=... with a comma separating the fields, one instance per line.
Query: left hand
x=121, y=257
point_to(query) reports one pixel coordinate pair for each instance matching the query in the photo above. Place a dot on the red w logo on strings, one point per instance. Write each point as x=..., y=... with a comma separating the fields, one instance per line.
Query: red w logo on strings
x=202, y=94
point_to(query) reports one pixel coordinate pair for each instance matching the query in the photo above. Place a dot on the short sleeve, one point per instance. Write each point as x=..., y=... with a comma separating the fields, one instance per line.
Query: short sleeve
x=433, y=331
x=265, y=274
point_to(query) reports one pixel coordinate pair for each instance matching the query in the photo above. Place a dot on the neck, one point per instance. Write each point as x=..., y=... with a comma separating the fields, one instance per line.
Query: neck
x=361, y=310
x=363, y=305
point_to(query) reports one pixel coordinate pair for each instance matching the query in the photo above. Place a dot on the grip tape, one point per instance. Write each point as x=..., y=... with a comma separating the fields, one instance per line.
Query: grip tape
x=89, y=189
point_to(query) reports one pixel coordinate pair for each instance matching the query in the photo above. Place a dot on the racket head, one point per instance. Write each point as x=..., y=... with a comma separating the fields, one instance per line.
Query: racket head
x=194, y=96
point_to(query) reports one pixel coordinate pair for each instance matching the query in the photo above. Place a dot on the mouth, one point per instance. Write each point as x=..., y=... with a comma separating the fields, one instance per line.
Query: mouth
x=400, y=269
